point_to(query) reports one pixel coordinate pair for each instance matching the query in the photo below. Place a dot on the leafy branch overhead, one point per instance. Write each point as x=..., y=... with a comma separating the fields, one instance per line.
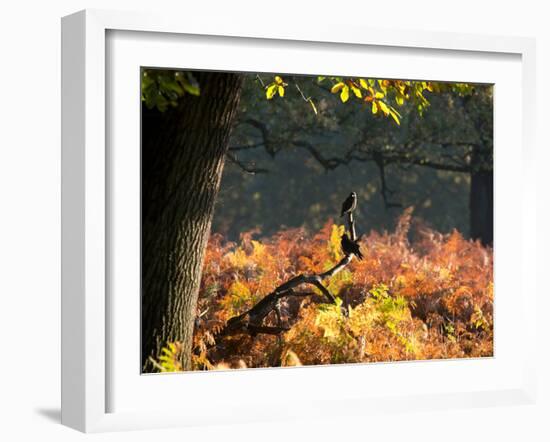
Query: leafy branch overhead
x=379, y=94
x=162, y=89
x=276, y=87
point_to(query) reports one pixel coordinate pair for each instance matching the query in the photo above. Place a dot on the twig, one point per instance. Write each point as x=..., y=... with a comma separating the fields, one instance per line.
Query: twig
x=260, y=80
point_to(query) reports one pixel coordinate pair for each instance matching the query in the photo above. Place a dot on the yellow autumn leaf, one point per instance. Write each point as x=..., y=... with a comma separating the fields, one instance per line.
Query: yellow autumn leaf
x=270, y=91
x=363, y=83
x=395, y=117
x=281, y=91
x=238, y=258
x=239, y=290
x=374, y=107
x=278, y=80
x=394, y=110
x=337, y=87
x=258, y=250
x=356, y=91
x=344, y=95
x=384, y=108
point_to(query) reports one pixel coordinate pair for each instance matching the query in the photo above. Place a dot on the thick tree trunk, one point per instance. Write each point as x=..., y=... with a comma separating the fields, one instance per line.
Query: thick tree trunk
x=183, y=155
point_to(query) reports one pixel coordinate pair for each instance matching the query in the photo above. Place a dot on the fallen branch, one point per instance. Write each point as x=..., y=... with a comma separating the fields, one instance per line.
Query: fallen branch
x=251, y=321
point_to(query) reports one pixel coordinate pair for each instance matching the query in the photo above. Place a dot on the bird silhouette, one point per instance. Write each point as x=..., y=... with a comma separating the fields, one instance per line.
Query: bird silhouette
x=350, y=247
x=349, y=204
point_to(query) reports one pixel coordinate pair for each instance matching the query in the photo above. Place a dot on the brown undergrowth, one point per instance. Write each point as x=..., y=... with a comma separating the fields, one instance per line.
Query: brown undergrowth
x=417, y=294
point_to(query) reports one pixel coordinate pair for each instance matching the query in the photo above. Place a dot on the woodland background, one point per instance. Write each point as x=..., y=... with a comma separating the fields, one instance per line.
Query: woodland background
x=303, y=185
x=419, y=155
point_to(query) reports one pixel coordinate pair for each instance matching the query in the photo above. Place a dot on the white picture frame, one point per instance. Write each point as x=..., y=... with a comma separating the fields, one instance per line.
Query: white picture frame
x=86, y=308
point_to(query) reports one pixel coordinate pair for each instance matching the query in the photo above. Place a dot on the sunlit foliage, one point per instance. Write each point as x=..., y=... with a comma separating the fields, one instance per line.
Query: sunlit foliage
x=382, y=93
x=417, y=294
x=161, y=89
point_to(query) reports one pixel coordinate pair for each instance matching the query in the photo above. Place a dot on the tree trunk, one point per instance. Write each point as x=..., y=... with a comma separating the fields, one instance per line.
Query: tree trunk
x=479, y=108
x=481, y=202
x=183, y=153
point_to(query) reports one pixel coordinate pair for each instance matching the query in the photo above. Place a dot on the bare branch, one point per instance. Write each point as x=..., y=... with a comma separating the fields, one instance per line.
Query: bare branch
x=248, y=168
x=251, y=321
x=351, y=224
x=264, y=133
x=260, y=80
x=332, y=162
x=439, y=166
x=380, y=162
x=245, y=147
x=307, y=99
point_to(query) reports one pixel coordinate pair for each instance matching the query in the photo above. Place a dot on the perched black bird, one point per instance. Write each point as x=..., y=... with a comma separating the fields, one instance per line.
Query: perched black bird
x=349, y=246
x=349, y=204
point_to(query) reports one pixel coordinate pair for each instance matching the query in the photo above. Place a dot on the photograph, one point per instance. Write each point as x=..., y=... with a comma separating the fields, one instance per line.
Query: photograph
x=302, y=221
x=306, y=220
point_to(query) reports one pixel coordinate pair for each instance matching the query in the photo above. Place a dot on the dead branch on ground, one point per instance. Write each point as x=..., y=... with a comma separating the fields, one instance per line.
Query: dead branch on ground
x=252, y=321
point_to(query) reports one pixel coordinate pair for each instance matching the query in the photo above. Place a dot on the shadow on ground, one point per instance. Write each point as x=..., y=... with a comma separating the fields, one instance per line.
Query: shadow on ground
x=51, y=414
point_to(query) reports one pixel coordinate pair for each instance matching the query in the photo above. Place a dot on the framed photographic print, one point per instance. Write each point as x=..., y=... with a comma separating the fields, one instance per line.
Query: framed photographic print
x=252, y=214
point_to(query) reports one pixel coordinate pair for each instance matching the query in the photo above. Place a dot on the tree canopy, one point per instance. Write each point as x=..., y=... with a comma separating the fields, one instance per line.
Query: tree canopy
x=390, y=125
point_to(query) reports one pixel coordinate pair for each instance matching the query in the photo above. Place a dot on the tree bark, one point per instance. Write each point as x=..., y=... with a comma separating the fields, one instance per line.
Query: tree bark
x=183, y=153
x=481, y=199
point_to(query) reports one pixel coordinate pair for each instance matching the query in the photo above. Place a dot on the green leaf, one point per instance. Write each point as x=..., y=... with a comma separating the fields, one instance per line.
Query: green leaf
x=191, y=89
x=146, y=80
x=189, y=83
x=161, y=102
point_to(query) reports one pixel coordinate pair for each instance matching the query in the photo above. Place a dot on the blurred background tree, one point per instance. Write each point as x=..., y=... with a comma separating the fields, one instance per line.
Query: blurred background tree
x=291, y=166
